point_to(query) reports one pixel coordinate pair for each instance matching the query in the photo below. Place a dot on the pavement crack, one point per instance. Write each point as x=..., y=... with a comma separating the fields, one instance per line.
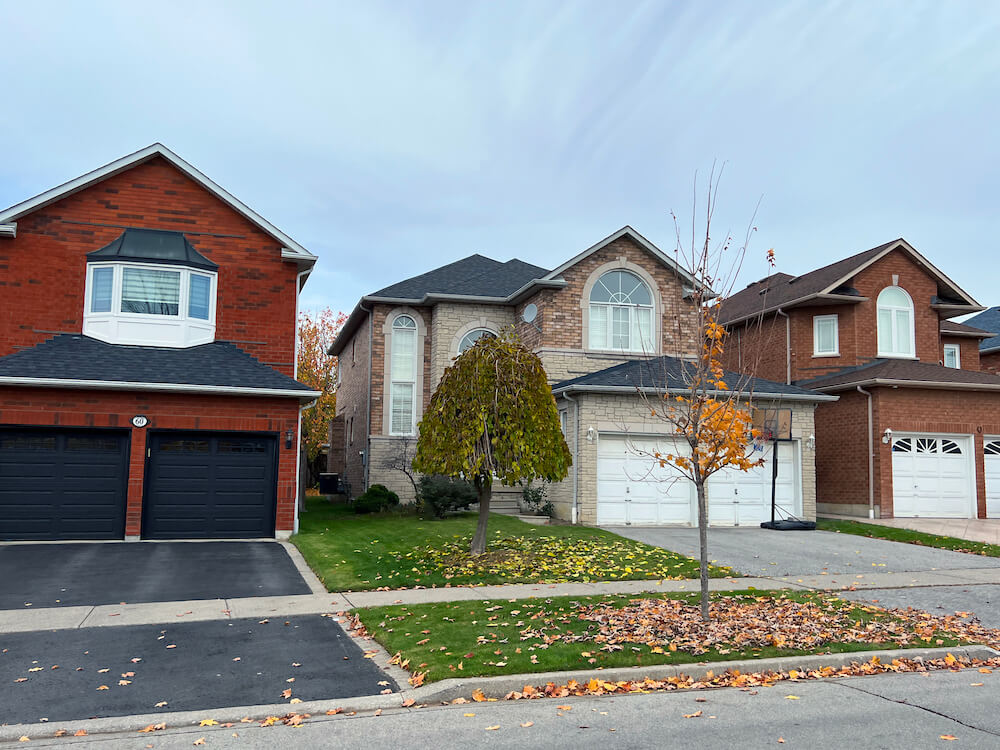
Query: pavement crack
x=917, y=706
x=85, y=618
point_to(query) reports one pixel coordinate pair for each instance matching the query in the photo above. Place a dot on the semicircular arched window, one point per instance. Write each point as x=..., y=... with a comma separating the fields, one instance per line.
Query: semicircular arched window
x=472, y=337
x=895, y=323
x=621, y=314
x=403, y=370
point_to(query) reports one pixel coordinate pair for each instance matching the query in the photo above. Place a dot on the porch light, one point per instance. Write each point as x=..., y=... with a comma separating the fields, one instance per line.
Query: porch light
x=811, y=443
x=591, y=433
x=288, y=439
x=887, y=435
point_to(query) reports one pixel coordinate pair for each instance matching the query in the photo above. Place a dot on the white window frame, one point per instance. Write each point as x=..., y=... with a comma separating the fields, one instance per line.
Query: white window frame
x=817, y=321
x=146, y=329
x=634, y=347
x=393, y=375
x=482, y=329
x=958, y=356
x=894, y=310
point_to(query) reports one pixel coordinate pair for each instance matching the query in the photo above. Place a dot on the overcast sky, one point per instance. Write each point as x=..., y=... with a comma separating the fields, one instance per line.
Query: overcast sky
x=390, y=138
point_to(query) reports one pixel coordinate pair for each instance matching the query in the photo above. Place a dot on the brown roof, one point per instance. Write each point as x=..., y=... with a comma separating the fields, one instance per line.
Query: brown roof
x=903, y=372
x=960, y=329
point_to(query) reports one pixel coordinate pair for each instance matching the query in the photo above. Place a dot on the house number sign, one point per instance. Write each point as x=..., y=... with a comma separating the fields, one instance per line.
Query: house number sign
x=139, y=420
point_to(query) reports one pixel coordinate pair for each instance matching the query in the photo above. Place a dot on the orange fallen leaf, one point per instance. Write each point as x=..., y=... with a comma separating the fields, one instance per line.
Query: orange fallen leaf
x=287, y=693
x=80, y=733
x=949, y=737
x=103, y=687
x=199, y=741
x=565, y=708
x=408, y=702
x=695, y=715
x=528, y=724
x=478, y=696
x=493, y=728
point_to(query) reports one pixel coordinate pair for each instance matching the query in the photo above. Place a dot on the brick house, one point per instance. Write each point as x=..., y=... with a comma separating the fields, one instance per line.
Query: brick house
x=610, y=321
x=147, y=360
x=989, y=349
x=916, y=431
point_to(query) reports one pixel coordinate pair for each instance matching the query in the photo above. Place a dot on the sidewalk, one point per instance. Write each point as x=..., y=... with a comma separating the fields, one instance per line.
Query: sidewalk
x=14, y=621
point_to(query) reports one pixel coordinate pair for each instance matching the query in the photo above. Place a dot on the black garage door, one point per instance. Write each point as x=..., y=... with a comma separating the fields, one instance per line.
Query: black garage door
x=210, y=485
x=62, y=484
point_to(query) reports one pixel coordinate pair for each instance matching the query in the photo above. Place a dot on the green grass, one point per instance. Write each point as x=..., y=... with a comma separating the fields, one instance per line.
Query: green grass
x=351, y=552
x=485, y=637
x=893, y=534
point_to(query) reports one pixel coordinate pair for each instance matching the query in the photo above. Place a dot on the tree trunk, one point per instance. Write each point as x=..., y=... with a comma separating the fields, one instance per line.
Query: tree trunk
x=484, y=490
x=703, y=545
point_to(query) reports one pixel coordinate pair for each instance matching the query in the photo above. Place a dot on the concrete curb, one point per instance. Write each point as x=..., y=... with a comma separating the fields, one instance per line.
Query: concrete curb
x=492, y=687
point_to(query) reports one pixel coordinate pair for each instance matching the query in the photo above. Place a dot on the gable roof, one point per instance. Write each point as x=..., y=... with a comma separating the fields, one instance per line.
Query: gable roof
x=988, y=320
x=828, y=283
x=291, y=250
x=906, y=373
x=76, y=361
x=626, y=231
x=671, y=374
x=475, y=276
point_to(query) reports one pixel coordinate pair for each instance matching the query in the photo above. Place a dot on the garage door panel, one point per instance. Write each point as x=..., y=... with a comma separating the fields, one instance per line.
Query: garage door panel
x=932, y=476
x=62, y=483
x=210, y=485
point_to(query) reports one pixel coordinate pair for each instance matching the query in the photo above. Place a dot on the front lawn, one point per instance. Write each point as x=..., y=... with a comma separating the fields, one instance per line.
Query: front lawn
x=351, y=552
x=461, y=639
x=893, y=534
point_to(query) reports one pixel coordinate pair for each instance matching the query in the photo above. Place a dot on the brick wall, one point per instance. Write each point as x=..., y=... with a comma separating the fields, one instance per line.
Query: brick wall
x=42, y=271
x=85, y=408
x=757, y=348
x=989, y=362
x=842, y=455
x=968, y=351
x=352, y=410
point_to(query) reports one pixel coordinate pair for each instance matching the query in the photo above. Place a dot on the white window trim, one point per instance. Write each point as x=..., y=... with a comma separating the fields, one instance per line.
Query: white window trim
x=634, y=347
x=912, y=353
x=139, y=329
x=817, y=320
x=958, y=355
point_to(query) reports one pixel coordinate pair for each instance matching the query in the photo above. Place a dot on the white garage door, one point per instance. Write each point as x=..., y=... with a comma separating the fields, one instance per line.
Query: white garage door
x=633, y=490
x=991, y=462
x=932, y=476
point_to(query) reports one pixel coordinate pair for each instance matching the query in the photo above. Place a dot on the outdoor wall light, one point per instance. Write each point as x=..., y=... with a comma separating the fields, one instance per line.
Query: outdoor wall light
x=887, y=435
x=811, y=443
x=288, y=439
x=591, y=433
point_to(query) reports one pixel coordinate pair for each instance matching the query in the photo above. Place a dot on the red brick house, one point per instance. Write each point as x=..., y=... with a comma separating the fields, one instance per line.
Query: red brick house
x=916, y=431
x=147, y=360
x=612, y=320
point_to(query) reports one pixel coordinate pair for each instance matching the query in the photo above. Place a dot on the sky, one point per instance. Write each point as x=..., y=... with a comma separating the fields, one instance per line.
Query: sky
x=390, y=138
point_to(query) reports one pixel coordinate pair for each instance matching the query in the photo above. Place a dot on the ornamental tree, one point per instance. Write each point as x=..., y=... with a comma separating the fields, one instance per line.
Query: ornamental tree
x=318, y=370
x=493, y=416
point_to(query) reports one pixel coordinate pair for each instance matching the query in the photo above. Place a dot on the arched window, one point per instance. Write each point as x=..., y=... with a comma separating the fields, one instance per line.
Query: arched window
x=621, y=314
x=472, y=337
x=895, y=323
x=403, y=371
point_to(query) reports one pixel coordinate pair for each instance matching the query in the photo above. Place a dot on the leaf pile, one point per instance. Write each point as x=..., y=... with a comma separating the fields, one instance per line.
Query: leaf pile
x=748, y=621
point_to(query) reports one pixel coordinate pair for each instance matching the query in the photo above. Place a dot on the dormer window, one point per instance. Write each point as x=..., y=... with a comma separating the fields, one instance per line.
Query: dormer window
x=150, y=287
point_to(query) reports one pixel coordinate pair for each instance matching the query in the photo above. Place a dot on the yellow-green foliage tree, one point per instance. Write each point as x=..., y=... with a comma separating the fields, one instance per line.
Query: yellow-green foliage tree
x=493, y=416
x=318, y=370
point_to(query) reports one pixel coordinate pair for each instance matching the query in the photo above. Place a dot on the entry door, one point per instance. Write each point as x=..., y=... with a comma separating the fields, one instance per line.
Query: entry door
x=991, y=464
x=932, y=476
x=62, y=484
x=210, y=485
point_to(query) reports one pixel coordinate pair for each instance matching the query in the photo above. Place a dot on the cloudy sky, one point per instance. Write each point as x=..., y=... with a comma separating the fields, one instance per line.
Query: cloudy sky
x=392, y=137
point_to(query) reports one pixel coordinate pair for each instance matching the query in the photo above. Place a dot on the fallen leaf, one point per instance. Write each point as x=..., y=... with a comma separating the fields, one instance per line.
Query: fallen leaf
x=478, y=696
x=528, y=724
x=565, y=708
x=199, y=741
x=470, y=715
x=103, y=687
x=949, y=737
x=695, y=715
x=80, y=733
x=408, y=702
x=161, y=704
x=287, y=693
x=792, y=698
x=208, y=723
x=493, y=728
x=295, y=700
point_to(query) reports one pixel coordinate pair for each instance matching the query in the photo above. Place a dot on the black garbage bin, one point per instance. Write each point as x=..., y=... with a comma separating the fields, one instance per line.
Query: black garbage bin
x=329, y=483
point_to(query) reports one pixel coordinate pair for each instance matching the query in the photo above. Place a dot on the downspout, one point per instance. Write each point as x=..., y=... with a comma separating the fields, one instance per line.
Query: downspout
x=788, y=346
x=298, y=431
x=576, y=451
x=871, y=454
x=368, y=419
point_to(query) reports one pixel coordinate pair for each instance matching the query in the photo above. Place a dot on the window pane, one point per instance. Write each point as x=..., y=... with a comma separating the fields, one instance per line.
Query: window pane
x=826, y=340
x=403, y=354
x=472, y=337
x=950, y=356
x=885, y=331
x=620, y=328
x=151, y=292
x=643, y=335
x=893, y=296
x=401, y=417
x=101, y=281
x=598, y=327
x=199, y=302
x=904, y=345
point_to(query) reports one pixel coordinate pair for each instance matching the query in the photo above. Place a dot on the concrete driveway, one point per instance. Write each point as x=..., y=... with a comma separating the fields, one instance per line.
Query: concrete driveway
x=761, y=552
x=60, y=575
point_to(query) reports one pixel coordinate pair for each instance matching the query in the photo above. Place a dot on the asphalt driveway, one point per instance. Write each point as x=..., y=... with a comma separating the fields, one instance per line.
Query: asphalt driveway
x=59, y=675
x=761, y=552
x=59, y=575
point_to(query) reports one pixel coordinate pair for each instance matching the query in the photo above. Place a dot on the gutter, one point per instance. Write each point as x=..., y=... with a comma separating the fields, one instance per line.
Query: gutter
x=8, y=230
x=122, y=385
x=632, y=389
x=871, y=454
x=576, y=454
x=788, y=346
x=910, y=384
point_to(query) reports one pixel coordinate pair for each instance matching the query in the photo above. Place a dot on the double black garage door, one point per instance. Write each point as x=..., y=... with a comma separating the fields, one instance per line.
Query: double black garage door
x=72, y=484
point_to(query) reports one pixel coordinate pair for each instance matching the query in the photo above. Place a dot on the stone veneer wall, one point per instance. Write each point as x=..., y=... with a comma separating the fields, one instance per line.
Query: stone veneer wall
x=617, y=413
x=451, y=321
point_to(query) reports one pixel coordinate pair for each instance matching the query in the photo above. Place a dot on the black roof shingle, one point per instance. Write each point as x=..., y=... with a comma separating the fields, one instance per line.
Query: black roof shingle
x=988, y=320
x=903, y=371
x=78, y=357
x=476, y=275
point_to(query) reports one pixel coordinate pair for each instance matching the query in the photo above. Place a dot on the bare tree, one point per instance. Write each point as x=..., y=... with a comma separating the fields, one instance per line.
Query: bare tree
x=400, y=459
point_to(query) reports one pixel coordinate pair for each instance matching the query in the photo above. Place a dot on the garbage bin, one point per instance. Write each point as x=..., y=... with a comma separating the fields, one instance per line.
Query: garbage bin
x=329, y=483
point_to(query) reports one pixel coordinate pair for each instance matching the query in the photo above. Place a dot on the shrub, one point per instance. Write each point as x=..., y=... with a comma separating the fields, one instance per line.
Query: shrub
x=376, y=499
x=533, y=497
x=440, y=494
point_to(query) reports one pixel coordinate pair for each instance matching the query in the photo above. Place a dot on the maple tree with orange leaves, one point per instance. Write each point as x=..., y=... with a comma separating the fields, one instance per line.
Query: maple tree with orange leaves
x=318, y=370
